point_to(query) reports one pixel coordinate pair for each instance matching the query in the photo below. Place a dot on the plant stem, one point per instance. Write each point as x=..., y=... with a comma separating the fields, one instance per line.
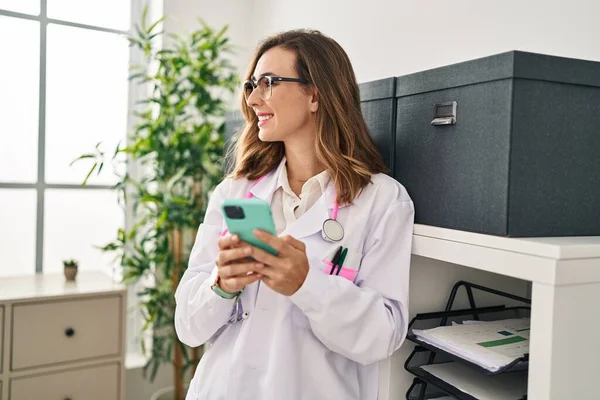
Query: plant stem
x=177, y=248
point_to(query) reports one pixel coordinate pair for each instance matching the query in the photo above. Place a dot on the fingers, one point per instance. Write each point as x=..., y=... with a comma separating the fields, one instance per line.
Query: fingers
x=227, y=241
x=263, y=257
x=273, y=241
x=241, y=281
x=226, y=256
x=298, y=245
x=241, y=269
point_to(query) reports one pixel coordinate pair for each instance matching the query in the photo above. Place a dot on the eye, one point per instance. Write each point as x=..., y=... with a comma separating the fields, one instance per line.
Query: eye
x=264, y=82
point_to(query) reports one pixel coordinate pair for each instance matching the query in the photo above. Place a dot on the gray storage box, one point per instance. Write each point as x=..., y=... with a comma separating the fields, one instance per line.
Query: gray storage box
x=522, y=156
x=378, y=104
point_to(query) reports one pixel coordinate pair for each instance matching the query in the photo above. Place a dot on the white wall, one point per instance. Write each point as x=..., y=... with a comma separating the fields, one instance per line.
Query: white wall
x=394, y=37
x=182, y=17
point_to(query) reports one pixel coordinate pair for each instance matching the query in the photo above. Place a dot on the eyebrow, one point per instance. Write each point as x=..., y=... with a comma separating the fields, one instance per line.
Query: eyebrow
x=263, y=74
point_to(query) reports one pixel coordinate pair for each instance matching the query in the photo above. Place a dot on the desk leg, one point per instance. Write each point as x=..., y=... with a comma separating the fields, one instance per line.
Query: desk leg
x=565, y=342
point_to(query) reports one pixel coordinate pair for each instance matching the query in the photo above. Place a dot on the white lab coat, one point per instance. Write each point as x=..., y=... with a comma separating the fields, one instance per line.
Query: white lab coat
x=324, y=341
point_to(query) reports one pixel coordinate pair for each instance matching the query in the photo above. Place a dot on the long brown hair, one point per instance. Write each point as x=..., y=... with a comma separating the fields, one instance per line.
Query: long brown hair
x=343, y=145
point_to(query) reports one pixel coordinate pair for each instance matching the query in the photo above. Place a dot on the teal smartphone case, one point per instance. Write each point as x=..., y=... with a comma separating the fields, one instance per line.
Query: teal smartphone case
x=256, y=215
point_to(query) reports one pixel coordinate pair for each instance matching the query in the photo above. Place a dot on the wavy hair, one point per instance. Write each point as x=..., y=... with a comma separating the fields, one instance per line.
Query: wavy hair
x=343, y=144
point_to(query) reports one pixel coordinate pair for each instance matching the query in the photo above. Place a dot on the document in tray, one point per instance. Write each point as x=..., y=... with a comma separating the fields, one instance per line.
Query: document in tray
x=491, y=345
x=507, y=386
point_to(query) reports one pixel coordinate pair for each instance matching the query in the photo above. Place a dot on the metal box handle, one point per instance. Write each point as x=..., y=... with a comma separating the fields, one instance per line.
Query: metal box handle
x=444, y=113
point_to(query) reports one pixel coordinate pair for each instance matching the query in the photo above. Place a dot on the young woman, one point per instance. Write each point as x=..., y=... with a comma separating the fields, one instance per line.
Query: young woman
x=293, y=326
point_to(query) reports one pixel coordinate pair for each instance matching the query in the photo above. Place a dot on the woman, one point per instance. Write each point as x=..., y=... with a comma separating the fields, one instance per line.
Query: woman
x=287, y=326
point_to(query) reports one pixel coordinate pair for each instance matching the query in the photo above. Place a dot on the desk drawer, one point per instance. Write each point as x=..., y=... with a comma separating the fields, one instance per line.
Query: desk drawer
x=94, y=383
x=55, y=332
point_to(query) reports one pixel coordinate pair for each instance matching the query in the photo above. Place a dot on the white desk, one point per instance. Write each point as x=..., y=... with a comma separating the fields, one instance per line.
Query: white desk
x=565, y=286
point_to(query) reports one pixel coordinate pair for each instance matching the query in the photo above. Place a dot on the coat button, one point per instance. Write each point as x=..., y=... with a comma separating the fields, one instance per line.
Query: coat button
x=245, y=315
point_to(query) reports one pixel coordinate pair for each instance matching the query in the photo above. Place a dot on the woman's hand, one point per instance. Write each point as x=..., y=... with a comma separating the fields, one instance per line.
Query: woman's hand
x=286, y=272
x=234, y=264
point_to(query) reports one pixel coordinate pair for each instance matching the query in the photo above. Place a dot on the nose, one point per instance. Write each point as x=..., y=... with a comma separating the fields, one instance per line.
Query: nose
x=254, y=100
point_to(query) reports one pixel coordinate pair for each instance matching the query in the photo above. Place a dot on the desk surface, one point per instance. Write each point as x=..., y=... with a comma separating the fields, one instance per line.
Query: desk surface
x=54, y=285
x=552, y=260
x=559, y=248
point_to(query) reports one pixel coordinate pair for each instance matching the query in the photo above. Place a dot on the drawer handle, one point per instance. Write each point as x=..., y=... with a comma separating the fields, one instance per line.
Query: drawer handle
x=444, y=114
x=69, y=332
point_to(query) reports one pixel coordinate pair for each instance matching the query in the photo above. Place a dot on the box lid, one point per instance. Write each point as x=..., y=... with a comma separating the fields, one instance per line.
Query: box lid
x=509, y=65
x=376, y=90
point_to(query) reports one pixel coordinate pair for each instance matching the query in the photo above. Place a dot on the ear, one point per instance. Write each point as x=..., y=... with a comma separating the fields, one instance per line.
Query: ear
x=314, y=101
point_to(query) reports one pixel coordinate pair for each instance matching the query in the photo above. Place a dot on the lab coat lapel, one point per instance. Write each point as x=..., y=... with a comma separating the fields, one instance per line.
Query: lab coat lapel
x=266, y=187
x=312, y=221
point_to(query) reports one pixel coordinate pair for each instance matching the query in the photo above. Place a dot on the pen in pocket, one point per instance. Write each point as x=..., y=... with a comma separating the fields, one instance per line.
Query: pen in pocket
x=335, y=259
x=341, y=261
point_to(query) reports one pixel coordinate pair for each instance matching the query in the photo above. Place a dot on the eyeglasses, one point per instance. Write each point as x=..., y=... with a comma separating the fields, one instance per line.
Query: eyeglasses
x=265, y=85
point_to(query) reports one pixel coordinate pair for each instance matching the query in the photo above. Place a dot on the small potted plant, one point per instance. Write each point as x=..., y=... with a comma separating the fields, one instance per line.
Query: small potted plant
x=70, y=269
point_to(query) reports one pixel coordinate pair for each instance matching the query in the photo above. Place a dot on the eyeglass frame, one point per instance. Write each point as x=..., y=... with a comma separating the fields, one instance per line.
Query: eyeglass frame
x=271, y=79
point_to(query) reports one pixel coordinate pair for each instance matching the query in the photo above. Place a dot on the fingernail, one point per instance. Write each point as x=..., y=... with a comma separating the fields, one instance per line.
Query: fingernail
x=258, y=232
x=235, y=238
x=247, y=250
x=259, y=265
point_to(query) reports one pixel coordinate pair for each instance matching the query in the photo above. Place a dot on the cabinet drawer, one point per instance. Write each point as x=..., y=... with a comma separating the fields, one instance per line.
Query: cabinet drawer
x=94, y=383
x=55, y=332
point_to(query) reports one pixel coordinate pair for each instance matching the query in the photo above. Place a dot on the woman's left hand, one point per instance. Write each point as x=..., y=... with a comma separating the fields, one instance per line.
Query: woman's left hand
x=286, y=272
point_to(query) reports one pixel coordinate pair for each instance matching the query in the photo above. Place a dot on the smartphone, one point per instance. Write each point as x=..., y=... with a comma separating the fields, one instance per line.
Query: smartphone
x=243, y=216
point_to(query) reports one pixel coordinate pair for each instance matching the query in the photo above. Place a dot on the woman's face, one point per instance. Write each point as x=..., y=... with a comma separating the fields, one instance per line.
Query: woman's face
x=288, y=115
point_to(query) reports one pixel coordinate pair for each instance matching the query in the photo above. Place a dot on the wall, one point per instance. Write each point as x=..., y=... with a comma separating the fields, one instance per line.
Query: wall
x=394, y=37
x=182, y=17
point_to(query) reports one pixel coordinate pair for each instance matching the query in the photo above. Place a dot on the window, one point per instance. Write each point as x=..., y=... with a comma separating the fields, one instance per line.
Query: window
x=64, y=88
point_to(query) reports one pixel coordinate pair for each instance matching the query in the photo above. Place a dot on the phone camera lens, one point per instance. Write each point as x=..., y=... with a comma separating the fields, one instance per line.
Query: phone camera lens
x=234, y=212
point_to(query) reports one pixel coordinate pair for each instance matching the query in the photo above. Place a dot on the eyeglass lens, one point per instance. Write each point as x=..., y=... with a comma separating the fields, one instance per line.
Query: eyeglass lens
x=264, y=88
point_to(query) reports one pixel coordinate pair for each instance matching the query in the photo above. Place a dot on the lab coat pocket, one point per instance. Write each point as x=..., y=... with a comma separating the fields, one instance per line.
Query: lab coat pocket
x=345, y=272
x=350, y=267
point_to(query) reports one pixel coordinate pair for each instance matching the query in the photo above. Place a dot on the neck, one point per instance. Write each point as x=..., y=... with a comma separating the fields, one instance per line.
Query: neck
x=301, y=166
x=301, y=157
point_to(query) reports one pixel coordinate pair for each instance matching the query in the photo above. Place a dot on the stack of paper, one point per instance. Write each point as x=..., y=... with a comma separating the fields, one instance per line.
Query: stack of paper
x=508, y=386
x=491, y=345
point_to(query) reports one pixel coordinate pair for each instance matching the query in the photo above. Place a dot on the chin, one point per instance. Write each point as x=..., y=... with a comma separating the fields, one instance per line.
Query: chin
x=268, y=136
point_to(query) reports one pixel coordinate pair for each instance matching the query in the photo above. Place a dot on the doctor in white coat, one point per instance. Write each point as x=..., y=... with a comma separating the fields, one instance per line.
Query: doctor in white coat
x=294, y=329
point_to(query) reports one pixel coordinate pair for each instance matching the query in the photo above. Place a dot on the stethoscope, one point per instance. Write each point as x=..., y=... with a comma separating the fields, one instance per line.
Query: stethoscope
x=332, y=232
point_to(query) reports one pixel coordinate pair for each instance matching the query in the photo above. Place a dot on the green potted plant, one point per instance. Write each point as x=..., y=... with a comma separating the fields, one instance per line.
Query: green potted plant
x=70, y=269
x=177, y=146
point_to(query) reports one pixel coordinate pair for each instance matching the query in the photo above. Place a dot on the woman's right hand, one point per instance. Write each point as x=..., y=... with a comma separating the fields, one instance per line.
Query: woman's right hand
x=235, y=268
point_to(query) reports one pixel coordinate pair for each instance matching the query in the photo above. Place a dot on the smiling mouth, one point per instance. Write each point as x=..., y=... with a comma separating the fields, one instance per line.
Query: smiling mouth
x=263, y=119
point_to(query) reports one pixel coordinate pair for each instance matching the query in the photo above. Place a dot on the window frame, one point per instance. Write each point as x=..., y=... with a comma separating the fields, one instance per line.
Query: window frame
x=136, y=92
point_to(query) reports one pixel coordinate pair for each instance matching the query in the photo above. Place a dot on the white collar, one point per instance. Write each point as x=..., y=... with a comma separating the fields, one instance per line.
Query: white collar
x=322, y=179
x=267, y=186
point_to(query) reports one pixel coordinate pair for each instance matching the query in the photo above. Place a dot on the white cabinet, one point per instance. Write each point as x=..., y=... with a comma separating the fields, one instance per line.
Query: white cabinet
x=90, y=383
x=62, y=339
x=561, y=275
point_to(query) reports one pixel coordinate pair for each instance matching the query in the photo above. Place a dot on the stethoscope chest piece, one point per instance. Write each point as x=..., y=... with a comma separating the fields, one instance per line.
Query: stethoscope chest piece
x=332, y=230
